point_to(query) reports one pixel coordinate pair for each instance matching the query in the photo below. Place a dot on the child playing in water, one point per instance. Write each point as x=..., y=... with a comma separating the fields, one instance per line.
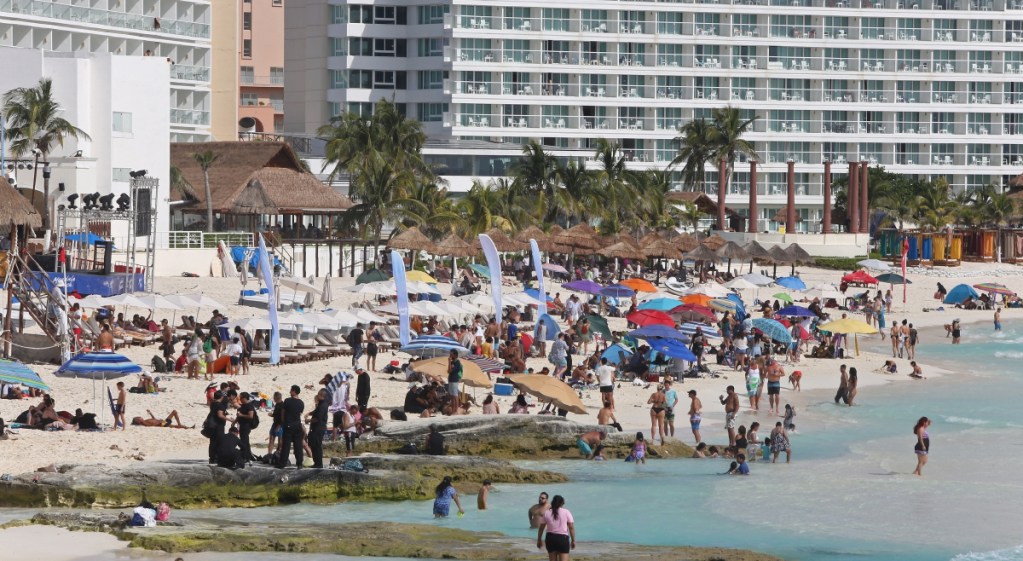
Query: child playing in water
x=639, y=449
x=790, y=415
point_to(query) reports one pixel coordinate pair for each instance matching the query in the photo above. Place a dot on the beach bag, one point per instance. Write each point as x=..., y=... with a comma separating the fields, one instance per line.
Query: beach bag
x=159, y=365
x=254, y=423
x=353, y=465
x=163, y=512
x=409, y=449
x=207, y=428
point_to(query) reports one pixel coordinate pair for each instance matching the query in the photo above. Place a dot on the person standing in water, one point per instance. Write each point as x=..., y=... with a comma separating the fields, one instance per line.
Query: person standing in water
x=843, y=386
x=998, y=319
x=560, y=528
x=481, y=497
x=850, y=392
x=731, y=403
x=443, y=495
x=536, y=511
x=957, y=332
x=923, y=444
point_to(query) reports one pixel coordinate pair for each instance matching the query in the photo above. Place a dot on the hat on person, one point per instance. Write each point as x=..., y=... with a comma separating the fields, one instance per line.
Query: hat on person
x=692, y=392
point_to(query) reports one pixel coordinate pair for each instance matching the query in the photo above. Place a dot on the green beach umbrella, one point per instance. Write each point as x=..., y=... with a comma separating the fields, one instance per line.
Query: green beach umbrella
x=14, y=372
x=783, y=297
x=599, y=324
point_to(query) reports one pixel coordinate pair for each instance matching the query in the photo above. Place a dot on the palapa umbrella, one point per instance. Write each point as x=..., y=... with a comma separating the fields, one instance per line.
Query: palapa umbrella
x=627, y=238
x=729, y=251
x=715, y=242
x=778, y=256
x=756, y=252
x=773, y=329
x=503, y=243
x=650, y=239
x=644, y=318
x=622, y=250
x=687, y=242
x=543, y=241
x=661, y=248
x=702, y=253
x=580, y=236
x=455, y=247
x=798, y=255
x=411, y=240
x=14, y=372
x=639, y=285
x=472, y=375
x=550, y=389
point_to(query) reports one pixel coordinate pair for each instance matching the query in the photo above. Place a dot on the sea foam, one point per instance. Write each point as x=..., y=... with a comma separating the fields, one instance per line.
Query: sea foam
x=1010, y=554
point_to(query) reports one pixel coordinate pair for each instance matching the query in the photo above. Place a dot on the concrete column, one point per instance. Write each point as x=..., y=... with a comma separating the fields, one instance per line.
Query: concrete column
x=826, y=221
x=864, y=205
x=722, y=180
x=852, y=202
x=790, y=210
x=753, y=222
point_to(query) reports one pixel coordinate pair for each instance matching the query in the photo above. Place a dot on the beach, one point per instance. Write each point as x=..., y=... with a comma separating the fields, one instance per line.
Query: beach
x=30, y=450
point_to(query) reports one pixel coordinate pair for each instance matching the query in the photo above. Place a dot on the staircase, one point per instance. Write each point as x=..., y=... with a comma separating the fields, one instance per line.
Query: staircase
x=35, y=293
x=278, y=249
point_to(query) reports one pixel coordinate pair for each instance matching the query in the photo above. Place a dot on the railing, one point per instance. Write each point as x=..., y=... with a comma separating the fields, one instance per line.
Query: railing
x=271, y=80
x=189, y=117
x=35, y=293
x=42, y=8
x=186, y=72
x=188, y=239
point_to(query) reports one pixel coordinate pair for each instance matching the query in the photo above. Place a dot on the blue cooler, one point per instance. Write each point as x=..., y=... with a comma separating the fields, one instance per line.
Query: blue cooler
x=504, y=389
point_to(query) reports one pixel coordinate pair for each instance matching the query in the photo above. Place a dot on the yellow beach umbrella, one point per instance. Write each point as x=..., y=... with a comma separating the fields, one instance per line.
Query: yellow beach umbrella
x=849, y=326
x=420, y=276
x=472, y=375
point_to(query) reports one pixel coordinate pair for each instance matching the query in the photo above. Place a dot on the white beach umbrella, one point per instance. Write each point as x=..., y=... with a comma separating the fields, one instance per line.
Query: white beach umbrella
x=344, y=318
x=824, y=293
x=251, y=324
x=366, y=316
x=91, y=301
x=381, y=288
x=740, y=283
x=758, y=279
x=298, y=285
x=419, y=287
x=157, y=302
x=711, y=289
x=195, y=300
x=875, y=264
x=227, y=267
x=126, y=299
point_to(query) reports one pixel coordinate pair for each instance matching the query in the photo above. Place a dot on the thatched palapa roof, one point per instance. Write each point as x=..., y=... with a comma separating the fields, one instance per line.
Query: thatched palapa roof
x=455, y=247
x=702, y=201
x=411, y=239
x=253, y=178
x=15, y=209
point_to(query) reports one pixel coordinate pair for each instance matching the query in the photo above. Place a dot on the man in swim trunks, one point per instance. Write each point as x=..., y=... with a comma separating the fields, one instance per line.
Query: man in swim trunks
x=536, y=511
x=731, y=403
x=998, y=319
x=589, y=443
x=695, y=408
x=843, y=386
x=606, y=379
x=774, y=375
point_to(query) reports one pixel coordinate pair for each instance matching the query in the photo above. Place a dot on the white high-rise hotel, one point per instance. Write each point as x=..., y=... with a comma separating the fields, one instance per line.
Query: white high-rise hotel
x=923, y=87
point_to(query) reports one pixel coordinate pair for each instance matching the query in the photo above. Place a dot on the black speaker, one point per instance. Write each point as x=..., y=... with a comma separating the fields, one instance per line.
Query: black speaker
x=108, y=256
x=143, y=211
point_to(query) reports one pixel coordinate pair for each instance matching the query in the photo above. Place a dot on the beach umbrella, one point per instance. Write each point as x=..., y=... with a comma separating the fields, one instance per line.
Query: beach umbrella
x=756, y=252
x=687, y=242
x=661, y=248
x=779, y=257
x=758, y=279
x=791, y=283
x=580, y=236
x=729, y=251
x=543, y=241
x=598, y=324
x=960, y=293
x=534, y=293
x=697, y=299
x=650, y=317
x=660, y=304
x=773, y=329
x=480, y=270
x=372, y=275
x=740, y=283
x=197, y=300
x=875, y=264
x=555, y=268
x=98, y=366
x=672, y=348
x=893, y=278
x=715, y=242
x=693, y=312
x=419, y=287
x=325, y=293
x=125, y=299
x=157, y=302
x=849, y=326
x=824, y=293
x=723, y=305
x=639, y=285
x=798, y=254
x=993, y=288
x=657, y=330
x=795, y=311
x=472, y=375
x=433, y=345
x=783, y=297
x=702, y=253
x=14, y=372
x=712, y=289
x=550, y=389
x=250, y=324
x=420, y=276
x=412, y=239
x=861, y=277
x=622, y=250
x=486, y=364
x=364, y=316
x=586, y=286
x=87, y=238
x=617, y=291
x=299, y=285
x=504, y=243
x=381, y=288
x=690, y=327
x=552, y=326
x=454, y=246
x=611, y=353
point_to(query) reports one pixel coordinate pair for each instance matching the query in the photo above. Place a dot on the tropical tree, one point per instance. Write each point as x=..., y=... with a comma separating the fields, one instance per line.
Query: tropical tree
x=439, y=213
x=694, y=150
x=482, y=209
x=383, y=195
x=690, y=214
x=34, y=124
x=206, y=160
x=614, y=182
x=537, y=173
x=727, y=140
x=179, y=184
x=934, y=208
x=579, y=191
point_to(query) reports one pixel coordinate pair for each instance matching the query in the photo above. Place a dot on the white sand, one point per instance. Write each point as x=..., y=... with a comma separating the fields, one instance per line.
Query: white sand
x=32, y=449
x=36, y=543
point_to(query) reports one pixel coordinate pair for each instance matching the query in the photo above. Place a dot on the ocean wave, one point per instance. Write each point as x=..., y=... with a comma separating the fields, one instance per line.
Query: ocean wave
x=1010, y=554
x=1008, y=354
x=965, y=421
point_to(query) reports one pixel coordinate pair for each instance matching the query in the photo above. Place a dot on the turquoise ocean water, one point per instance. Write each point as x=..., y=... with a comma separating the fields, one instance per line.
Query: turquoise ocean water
x=848, y=495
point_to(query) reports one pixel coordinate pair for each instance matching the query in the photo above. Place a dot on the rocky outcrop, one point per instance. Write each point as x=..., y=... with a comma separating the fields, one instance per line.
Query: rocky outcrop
x=509, y=437
x=196, y=485
x=373, y=539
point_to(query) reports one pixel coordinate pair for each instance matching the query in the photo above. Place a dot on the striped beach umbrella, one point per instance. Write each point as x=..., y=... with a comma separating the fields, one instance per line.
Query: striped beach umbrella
x=433, y=345
x=994, y=288
x=14, y=372
x=689, y=328
x=723, y=305
x=98, y=366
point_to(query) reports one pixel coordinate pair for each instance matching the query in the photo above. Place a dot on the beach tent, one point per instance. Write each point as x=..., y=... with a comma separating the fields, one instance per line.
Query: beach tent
x=960, y=293
x=611, y=353
x=861, y=277
x=671, y=348
x=552, y=326
x=372, y=275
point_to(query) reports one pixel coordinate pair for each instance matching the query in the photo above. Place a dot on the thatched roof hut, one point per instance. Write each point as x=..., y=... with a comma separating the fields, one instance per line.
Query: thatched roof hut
x=15, y=209
x=411, y=239
x=253, y=178
x=702, y=201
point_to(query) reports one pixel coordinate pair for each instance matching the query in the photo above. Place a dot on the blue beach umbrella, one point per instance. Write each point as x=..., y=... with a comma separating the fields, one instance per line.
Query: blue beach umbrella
x=98, y=366
x=791, y=283
x=795, y=311
x=689, y=328
x=14, y=372
x=656, y=330
x=535, y=294
x=740, y=312
x=661, y=304
x=552, y=326
x=672, y=348
x=611, y=353
x=433, y=345
x=723, y=305
x=586, y=286
x=773, y=329
x=617, y=291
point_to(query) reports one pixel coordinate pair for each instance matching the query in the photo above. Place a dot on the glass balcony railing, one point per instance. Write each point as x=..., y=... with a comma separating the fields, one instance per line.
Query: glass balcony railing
x=186, y=72
x=189, y=117
x=42, y=8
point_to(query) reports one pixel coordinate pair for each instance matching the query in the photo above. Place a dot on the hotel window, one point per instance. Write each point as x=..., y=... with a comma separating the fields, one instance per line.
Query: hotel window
x=389, y=15
x=596, y=20
x=362, y=109
x=359, y=13
x=909, y=28
x=476, y=17
x=431, y=46
x=669, y=87
x=431, y=112
x=475, y=49
x=980, y=30
x=247, y=75
x=389, y=47
x=121, y=122
x=669, y=23
x=337, y=79
x=872, y=28
x=836, y=27
x=388, y=80
x=835, y=152
x=430, y=79
x=338, y=14
x=670, y=55
x=247, y=21
x=337, y=47
x=277, y=3
x=945, y=29
x=246, y=48
x=249, y=99
x=630, y=21
x=707, y=24
x=555, y=19
x=431, y=14
x=789, y=121
x=670, y=118
x=276, y=75
x=360, y=46
x=908, y=60
x=790, y=26
x=944, y=61
x=907, y=122
x=908, y=154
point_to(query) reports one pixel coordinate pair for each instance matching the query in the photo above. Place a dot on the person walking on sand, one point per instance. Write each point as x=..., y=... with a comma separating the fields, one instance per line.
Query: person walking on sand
x=998, y=319
x=122, y=398
x=536, y=511
x=843, y=386
x=695, y=410
x=904, y=338
x=657, y=406
x=443, y=495
x=912, y=339
x=560, y=528
x=923, y=444
x=731, y=403
x=893, y=336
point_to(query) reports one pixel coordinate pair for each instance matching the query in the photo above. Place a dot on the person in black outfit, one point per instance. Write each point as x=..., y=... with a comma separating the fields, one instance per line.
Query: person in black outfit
x=435, y=442
x=317, y=424
x=362, y=390
x=215, y=423
x=292, y=422
x=228, y=453
x=245, y=418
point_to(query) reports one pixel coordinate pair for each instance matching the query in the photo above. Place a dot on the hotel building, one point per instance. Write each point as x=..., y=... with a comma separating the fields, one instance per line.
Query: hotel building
x=923, y=87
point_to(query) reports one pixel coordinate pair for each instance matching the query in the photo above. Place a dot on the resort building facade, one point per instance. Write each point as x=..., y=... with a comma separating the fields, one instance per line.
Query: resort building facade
x=261, y=65
x=923, y=87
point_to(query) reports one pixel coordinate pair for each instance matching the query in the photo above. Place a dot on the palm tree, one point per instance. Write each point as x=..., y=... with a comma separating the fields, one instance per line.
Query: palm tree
x=440, y=215
x=180, y=184
x=694, y=150
x=727, y=139
x=934, y=208
x=34, y=124
x=900, y=203
x=537, y=173
x=614, y=183
x=577, y=184
x=480, y=209
x=383, y=195
x=206, y=160
x=691, y=214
